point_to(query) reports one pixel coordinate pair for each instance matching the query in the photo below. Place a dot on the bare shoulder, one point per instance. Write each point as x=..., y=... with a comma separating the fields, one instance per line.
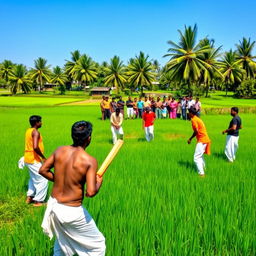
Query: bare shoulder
x=61, y=149
x=90, y=160
x=35, y=132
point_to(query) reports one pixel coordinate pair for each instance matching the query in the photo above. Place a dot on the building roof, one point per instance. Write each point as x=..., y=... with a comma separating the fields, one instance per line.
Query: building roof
x=100, y=89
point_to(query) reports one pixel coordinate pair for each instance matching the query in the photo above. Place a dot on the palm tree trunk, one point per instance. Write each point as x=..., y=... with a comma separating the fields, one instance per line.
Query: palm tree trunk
x=40, y=84
x=207, y=91
x=117, y=89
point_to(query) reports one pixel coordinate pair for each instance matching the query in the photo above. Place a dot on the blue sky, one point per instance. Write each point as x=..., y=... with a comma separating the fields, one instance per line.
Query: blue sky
x=102, y=29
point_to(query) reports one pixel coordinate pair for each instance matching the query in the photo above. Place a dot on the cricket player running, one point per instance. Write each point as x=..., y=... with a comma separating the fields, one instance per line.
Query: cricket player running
x=232, y=135
x=65, y=217
x=203, y=141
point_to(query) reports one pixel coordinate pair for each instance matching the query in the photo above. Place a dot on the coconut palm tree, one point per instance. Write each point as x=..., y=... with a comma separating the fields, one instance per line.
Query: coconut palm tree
x=186, y=61
x=41, y=73
x=140, y=71
x=58, y=76
x=115, y=74
x=210, y=57
x=85, y=70
x=231, y=70
x=246, y=58
x=70, y=64
x=5, y=69
x=19, y=79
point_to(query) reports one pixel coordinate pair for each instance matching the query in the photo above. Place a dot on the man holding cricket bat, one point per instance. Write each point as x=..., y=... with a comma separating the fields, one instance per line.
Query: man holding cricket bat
x=116, y=120
x=65, y=217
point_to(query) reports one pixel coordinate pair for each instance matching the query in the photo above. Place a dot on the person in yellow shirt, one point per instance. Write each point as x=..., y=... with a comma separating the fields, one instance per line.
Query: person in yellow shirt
x=203, y=141
x=33, y=157
x=106, y=106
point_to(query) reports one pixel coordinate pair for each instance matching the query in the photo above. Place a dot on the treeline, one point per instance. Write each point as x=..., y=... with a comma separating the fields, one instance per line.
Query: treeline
x=192, y=67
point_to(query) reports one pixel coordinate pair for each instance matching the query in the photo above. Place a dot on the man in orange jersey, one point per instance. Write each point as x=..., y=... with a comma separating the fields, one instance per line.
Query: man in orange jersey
x=33, y=157
x=203, y=141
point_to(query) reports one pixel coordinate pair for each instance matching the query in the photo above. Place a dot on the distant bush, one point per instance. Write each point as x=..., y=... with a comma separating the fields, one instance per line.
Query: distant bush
x=127, y=91
x=246, y=89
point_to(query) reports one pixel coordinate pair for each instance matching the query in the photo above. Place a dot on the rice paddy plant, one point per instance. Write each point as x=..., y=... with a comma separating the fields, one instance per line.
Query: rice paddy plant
x=152, y=201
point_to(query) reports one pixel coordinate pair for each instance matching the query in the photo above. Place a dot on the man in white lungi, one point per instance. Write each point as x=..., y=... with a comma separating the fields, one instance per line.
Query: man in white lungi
x=129, y=105
x=116, y=120
x=148, y=119
x=233, y=135
x=33, y=157
x=65, y=217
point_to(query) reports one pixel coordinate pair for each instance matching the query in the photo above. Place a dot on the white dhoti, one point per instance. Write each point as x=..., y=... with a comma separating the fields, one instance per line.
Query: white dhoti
x=116, y=132
x=37, y=185
x=231, y=147
x=149, y=132
x=199, y=157
x=130, y=112
x=75, y=230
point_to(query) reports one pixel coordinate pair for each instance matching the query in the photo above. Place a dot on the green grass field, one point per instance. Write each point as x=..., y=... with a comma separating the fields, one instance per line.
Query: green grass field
x=152, y=201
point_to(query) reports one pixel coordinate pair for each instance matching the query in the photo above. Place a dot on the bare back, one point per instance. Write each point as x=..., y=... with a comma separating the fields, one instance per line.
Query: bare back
x=70, y=169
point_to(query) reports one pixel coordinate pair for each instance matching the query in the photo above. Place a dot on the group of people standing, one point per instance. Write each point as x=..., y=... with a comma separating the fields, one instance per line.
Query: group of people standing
x=65, y=217
x=166, y=107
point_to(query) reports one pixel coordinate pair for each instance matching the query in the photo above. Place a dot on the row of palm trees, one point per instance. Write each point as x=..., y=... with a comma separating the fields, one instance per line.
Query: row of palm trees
x=190, y=64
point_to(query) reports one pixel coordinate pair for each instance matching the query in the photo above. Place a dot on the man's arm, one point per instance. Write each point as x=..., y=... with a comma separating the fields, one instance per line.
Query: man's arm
x=93, y=182
x=36, y=137
x=233, y=128
x=121, y=120
x=193, y=135
x=45, y=169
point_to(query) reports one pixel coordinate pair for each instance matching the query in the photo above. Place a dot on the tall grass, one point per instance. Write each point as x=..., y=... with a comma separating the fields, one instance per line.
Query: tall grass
x=152, y=201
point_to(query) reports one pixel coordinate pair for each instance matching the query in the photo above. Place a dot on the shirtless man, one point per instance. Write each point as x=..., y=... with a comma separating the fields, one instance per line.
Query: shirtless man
x=65, y=216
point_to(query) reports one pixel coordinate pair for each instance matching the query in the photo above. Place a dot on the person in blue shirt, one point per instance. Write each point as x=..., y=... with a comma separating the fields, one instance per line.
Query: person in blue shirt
x=140, y=105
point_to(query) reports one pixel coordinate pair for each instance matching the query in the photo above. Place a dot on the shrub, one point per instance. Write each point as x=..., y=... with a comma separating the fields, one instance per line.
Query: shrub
x=246, y=89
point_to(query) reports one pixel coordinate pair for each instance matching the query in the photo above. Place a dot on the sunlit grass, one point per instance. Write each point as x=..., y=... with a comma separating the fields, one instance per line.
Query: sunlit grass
x=152, y=201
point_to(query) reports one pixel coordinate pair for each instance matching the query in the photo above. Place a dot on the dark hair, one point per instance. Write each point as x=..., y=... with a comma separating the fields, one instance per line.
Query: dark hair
x=117, y=110
x=34, y=119
x=235, y=109
x=192, y=110
x=80, y=131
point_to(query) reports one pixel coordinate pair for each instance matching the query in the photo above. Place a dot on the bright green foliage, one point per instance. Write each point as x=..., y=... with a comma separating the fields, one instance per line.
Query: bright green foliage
x=246, y=89
x=186, y=63
x=59, y=78
x=85, y=70
x=211, y=72
x=152, y=201
x=140, y=71
x=19, y=79
x=70, y=64
x=115, y=74
x=5, y=69
x=246, y=58
x=41, y=73
x=231, y=70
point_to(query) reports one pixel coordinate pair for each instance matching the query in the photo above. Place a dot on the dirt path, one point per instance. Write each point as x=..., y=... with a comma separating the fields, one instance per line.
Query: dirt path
x=83, y=102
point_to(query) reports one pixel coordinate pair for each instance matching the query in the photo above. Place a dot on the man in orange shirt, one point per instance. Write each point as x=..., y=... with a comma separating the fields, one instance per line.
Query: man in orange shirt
x=203, y=141
x=33, y=157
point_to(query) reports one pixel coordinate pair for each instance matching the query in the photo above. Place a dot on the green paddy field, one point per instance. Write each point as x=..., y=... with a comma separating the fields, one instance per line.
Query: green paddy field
x=152, y=201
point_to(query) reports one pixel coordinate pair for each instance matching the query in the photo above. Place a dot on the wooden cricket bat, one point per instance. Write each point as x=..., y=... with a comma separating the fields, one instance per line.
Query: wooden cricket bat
x=110, y=157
